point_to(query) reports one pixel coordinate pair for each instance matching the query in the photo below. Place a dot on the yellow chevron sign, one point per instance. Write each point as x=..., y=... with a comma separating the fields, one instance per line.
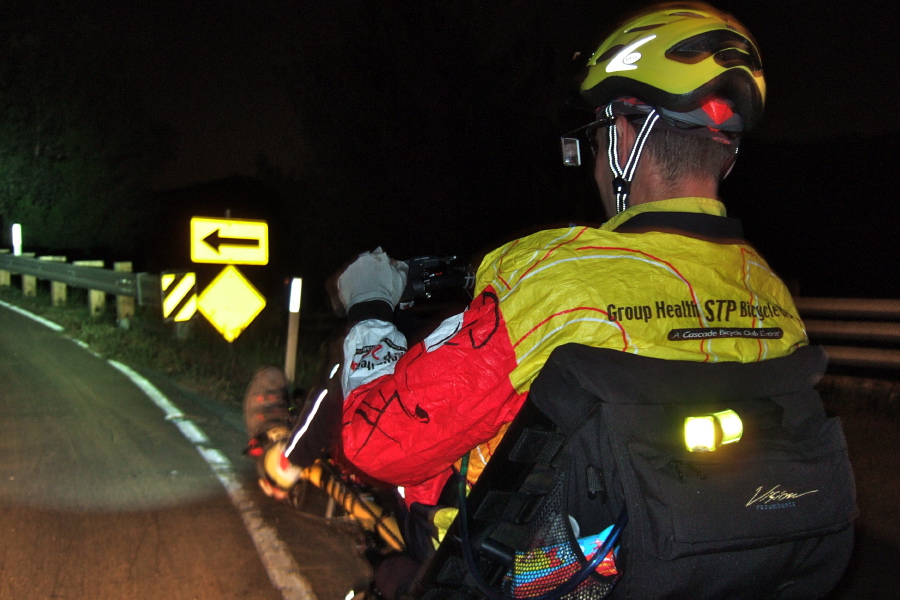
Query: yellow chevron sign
x=179, y=296
x=229, y=241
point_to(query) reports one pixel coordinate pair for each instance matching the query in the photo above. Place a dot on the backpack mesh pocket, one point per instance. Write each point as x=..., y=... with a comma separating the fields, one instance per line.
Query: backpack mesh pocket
x=553, y=556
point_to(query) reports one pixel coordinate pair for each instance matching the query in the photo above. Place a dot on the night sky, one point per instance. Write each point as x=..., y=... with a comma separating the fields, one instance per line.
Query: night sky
x=218, y=75
x=436, y=122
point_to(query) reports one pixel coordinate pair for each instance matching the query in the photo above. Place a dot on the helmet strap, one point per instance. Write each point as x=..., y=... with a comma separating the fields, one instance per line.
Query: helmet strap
x=623, y=176
x=726, y=170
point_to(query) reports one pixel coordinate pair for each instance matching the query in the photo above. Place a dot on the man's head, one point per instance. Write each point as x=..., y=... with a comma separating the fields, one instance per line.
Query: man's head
x=678, y=83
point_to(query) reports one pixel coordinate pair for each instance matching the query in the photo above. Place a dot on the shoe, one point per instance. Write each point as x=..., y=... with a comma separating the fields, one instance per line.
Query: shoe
x=266, y=403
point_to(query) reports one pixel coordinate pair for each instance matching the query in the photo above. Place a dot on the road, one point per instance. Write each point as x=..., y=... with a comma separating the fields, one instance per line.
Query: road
x=102, y=497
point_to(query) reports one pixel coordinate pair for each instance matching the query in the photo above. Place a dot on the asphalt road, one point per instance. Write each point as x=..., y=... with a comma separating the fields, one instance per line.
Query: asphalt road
x=102, y=497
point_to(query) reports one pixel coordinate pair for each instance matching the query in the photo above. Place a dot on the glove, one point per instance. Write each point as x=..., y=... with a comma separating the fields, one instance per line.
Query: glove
x=281, y=474
x=372, y=276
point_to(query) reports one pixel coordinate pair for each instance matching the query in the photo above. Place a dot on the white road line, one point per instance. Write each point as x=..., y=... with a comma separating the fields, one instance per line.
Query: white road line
x=39, y=319
x=281, y=566
x=283, y=570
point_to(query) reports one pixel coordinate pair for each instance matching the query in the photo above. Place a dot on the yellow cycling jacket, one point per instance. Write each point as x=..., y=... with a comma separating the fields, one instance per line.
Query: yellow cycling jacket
x=662, y=295
x=701, y=294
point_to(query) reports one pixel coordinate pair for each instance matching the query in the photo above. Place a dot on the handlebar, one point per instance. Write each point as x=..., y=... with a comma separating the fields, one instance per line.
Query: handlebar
x=430, y=274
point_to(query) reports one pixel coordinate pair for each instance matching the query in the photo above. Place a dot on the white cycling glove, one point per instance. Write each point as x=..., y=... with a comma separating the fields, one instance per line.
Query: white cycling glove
x=372, y=276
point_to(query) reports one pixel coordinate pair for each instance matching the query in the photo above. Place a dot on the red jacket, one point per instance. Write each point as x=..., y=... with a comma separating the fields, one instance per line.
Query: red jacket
x=410, y=415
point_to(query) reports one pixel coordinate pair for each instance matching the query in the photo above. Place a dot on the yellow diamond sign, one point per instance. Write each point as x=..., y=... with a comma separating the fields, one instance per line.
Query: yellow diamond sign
x=230, y=302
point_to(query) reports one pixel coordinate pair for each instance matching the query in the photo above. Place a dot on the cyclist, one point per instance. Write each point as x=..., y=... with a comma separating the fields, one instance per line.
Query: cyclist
x=669, y=275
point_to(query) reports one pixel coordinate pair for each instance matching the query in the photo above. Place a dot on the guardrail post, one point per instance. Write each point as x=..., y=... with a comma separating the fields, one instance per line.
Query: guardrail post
x=29, y=282
x=184, y=330
x=5, y=276
x=96, y=298
x=58, y=290
x=124, y=304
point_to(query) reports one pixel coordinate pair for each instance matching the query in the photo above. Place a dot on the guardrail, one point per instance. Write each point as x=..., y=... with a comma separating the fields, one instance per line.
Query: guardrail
x=129, y=288
x=875, y=323
x=143, y=287
x=871, y=327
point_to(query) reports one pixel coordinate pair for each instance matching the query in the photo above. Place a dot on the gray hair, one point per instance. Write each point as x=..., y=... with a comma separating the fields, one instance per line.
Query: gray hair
x=679, y=156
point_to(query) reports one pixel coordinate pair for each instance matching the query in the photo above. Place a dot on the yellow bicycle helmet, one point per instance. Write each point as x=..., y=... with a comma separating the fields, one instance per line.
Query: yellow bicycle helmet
x=677, y=57
x=684, y=66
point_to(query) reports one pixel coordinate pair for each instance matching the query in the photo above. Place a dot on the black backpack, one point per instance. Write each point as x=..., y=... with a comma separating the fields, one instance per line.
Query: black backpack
x=600, y=442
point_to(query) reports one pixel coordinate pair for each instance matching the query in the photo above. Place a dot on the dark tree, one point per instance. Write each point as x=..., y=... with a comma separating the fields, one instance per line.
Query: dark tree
x=77, y=149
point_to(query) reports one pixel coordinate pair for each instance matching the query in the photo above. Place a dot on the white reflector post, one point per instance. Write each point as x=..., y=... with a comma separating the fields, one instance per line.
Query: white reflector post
x=700, y=433
x=290, y=359
x=296, y=287
x=17, y=239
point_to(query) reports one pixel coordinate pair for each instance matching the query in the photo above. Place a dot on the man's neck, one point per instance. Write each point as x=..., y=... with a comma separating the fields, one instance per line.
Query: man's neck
x=653, y=188
x=654, y=191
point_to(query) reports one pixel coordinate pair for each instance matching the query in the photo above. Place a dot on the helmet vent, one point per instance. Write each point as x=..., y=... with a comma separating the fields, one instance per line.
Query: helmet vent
x=609, y=54
x=686, y=14
x=643, y=28
x=733, y=58
x=730, y=48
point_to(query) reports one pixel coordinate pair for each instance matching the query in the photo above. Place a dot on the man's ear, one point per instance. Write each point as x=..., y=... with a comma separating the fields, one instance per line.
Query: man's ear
x=627, y=135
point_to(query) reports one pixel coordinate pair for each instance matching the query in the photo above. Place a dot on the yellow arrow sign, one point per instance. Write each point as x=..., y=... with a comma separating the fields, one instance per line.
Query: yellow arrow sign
x=230, y=302
x=229, y=241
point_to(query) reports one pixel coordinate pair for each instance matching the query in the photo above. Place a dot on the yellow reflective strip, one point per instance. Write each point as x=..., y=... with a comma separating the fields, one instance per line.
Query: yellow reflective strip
x=187, y=312
x=169, y=304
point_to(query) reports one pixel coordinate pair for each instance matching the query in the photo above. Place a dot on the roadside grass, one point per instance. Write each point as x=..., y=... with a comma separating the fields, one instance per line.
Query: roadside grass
x=203, y=363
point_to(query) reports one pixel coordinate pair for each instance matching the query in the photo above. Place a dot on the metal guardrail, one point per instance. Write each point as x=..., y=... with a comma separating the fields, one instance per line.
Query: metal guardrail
x=144, y=287
x=849, y=308
x=827, y=321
